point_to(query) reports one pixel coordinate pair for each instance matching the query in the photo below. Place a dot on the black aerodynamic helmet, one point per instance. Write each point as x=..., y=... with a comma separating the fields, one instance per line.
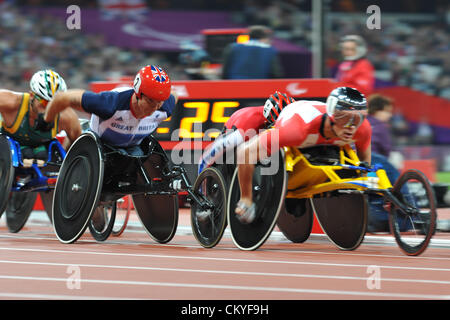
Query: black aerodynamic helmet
x=346, y=106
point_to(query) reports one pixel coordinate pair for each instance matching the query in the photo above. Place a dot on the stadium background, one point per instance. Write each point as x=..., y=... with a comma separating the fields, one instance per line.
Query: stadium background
x=410, y=52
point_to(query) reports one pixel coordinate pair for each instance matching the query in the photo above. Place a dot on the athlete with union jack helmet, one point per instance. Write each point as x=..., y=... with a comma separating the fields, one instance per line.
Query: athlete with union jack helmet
x=124, y=116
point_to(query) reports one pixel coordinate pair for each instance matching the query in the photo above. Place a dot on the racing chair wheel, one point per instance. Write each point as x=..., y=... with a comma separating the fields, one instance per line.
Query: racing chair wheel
x=78, y=188
x=342, y=215
x=269, y=190
x=18, y=209
x=6, y=172
x=47, y=202
x=102, y=221
x=123, y=209
x=296, y=219
x=208, y=230
x=413, y=230
x=157, y=213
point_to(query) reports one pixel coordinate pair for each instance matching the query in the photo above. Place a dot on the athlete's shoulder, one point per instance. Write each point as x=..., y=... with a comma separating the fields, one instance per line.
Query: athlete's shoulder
x=305, y=109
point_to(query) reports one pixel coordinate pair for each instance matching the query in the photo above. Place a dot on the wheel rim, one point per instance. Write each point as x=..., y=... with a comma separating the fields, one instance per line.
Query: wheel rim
x=414, y=229
x=210, y=184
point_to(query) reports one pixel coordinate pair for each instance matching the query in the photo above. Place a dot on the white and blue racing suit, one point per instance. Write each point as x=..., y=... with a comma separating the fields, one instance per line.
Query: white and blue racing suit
x=114, y=122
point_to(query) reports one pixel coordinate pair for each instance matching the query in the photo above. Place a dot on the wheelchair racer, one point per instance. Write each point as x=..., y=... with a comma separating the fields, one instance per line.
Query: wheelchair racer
x=243, y=125
x=21, y=113
x=339, y=121
x=124, y=116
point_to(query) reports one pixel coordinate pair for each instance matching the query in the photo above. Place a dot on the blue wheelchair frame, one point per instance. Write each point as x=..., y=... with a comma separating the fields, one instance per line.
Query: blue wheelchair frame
x=39, y=181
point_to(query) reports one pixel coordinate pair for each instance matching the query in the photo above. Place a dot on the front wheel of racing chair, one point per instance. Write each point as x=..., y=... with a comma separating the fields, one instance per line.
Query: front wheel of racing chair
x=413, y=222
x=269, y=190
x=208, y=225
x=102, y=222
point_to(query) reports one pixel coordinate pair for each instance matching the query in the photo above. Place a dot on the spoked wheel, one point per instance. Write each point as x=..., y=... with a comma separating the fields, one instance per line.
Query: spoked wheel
x=78, y=188
x=19, y=209
x=208, y=226
x=6, y=172
x=102, y=221
x=414, y=223
x=296, y=219
x=269, y=189
x=123, y=209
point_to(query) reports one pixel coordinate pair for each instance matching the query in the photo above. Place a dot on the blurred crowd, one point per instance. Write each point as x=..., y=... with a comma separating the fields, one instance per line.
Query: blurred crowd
x=413, y=52
x=410, y=50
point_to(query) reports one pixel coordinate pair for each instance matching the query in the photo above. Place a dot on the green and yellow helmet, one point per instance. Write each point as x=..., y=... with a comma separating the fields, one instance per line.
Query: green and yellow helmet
x=46, y=83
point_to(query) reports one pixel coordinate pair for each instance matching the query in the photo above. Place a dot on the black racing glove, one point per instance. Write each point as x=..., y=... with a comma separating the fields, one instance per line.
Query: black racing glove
x=41, y=125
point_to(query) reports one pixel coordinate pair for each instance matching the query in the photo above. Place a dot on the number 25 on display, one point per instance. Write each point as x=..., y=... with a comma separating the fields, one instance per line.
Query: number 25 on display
x=201, y=116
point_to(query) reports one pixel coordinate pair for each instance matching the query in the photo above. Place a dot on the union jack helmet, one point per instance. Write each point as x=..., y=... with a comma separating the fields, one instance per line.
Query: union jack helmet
x=273, y=106
x=153, y=82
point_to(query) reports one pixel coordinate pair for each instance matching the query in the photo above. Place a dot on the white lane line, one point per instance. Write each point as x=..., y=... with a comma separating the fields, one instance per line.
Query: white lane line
x=223, y=259
x=269, y=274
x=263, y=248
x=248, y=288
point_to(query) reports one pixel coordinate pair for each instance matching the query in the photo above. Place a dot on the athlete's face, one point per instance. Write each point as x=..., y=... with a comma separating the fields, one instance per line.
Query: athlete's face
x=146, y=107
x=346, y=123
x=39, y=104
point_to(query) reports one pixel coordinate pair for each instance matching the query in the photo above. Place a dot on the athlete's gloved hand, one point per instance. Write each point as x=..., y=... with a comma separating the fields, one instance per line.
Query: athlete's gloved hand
x=42, y=125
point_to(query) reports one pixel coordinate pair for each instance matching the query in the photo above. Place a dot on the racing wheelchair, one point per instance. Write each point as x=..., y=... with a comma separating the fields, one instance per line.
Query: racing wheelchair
x=19, y=185
x=331, y=182
x=95, y=175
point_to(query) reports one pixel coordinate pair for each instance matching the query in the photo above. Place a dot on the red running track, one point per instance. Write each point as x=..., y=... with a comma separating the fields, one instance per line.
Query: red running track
x=35, y=265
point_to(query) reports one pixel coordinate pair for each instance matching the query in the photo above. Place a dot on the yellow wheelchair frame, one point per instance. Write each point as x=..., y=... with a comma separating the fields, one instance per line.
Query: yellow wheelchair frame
x=307, y=180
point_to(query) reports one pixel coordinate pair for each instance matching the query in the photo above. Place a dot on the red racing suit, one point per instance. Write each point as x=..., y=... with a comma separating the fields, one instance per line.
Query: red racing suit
x=241, y=126
x=358, y=74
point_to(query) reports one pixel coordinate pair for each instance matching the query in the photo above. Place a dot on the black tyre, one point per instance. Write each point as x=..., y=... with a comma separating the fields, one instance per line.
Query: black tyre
x=6, y=172
x=18, y=210
x=413, y=227
x=102, y=221
x=208, y=229
x=123, y=210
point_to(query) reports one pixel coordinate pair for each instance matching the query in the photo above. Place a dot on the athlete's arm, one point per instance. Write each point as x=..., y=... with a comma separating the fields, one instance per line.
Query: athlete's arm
x=9, y=101
x=69, y=122
x=365, y=155
x=62, y=100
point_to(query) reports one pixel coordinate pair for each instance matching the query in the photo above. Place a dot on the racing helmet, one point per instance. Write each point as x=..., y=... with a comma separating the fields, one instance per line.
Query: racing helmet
x=346, y=107
x=275, y=104
x=361, y=47
x=153, y=82
x=46, y=83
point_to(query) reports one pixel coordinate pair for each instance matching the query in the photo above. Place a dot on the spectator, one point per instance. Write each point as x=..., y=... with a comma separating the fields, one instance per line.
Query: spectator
x=379, y=114
x=355, y=71
x=254, y=59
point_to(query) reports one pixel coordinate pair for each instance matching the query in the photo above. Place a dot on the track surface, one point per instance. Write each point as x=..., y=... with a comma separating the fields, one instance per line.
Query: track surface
x=35, y=265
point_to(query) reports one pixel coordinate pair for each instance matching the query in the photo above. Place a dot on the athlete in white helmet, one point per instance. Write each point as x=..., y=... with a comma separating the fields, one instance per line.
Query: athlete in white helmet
x=21, y=112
